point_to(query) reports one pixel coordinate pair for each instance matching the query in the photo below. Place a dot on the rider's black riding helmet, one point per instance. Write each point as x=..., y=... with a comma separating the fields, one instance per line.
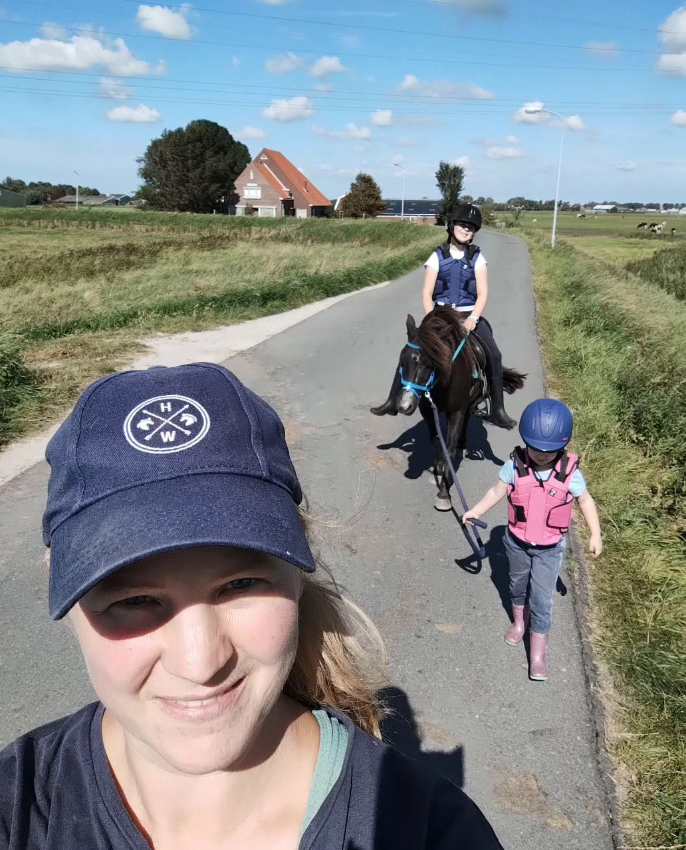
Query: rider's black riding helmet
x=464, y=213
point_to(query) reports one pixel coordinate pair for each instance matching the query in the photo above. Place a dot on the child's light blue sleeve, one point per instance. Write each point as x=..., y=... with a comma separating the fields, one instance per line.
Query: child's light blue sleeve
x=577, y=484
x=507, y=473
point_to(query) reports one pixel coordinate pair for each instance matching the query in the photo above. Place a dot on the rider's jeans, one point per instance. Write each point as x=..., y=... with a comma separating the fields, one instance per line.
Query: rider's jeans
x=536, y=569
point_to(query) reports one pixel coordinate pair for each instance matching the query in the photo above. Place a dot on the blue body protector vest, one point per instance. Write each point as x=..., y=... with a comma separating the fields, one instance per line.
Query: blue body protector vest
x=456, y=281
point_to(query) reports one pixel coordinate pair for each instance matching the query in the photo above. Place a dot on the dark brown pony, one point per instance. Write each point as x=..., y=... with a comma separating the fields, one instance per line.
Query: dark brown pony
x=458, y=386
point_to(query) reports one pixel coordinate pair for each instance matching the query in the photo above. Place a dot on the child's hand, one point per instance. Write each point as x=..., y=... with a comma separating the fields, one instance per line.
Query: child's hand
x=470, y=515
x=595, y=545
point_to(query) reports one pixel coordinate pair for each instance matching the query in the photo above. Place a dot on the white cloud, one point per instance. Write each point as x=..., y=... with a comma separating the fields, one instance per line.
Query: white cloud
x=140, y=114
x=673, y=30
x=324, y=87
x=679, y=118
x=235, y=61
x=286, y=110
x=327, y=65
x=352, y=131
x=166, y=21
x=283, y=64
x=521, y=116
x=489, y=8
x=51, y=30
x=443, y=89
x=606, y=49
x=498, y=152
x=512, y=140
x=461, y=160
x=628, y=165
x=382, y=117
x=673, y=63
x=406, y=142
x=575, y=122
x=673, y=35
x=249, y=132
x=352, y=40
x=114, y=89
x=76, y=54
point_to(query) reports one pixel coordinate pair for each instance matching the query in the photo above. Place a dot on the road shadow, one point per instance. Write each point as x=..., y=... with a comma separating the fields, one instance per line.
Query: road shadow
x=478, y=446
x=401, y=730
x=416, y=444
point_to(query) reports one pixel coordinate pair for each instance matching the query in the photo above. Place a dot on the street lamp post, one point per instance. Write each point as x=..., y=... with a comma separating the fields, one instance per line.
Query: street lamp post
x=402, y=203
x=536, y=111
x=77, y=189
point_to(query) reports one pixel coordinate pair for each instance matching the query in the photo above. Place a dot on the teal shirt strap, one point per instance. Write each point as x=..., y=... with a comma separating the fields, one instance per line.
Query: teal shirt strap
x=333, y=745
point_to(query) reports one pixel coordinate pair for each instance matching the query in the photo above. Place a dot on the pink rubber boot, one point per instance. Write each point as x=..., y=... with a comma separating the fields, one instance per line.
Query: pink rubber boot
x=515, y=634
x=538, y=665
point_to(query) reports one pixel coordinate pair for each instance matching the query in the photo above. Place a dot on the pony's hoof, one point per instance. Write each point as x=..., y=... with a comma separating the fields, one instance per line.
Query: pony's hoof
x=443, y=504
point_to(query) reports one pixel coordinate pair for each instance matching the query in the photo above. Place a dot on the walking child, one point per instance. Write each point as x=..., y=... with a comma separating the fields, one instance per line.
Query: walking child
x=541, y=481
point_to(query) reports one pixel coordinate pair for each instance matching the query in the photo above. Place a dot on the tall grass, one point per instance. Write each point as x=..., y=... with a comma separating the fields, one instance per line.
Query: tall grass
x=79, y=289
x=666, y=269
x=616, y=353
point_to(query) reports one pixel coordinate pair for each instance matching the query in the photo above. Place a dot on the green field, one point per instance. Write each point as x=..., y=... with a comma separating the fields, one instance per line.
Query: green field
x=81, y=289
x=613, y=335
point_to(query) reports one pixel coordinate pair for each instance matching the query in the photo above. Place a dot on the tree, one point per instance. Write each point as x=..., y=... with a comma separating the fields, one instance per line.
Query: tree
x=13, y=185
x=449, y=179
x=363, y=199
x=187, y=169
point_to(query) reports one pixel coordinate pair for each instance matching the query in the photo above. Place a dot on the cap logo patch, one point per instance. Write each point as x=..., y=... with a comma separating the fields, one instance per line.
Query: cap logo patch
x=166, y=424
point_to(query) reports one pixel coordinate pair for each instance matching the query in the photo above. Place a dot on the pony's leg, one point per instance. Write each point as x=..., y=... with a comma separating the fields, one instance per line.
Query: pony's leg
x=442, y=502
x=462, y=438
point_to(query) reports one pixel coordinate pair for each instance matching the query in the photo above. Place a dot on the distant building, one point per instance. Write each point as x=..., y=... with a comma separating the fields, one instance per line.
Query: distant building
x=97, y=200
x=413, y=208
x=604, y=208
x=11, y=199
x=275, y=188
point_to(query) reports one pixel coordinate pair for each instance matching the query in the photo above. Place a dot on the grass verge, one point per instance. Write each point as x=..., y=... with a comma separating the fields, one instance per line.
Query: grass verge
x=666, y=269
x=79, y=296
x=615, y=351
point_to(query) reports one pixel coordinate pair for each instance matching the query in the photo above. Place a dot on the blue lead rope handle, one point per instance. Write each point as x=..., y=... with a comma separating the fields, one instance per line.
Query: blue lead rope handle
x=478, y=522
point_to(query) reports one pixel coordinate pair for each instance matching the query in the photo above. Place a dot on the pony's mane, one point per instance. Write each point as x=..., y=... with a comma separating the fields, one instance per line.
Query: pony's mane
x=440, y=333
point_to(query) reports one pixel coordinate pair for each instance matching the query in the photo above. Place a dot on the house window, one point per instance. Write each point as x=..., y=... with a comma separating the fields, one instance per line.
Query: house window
x=255, y=193
x=266, y=212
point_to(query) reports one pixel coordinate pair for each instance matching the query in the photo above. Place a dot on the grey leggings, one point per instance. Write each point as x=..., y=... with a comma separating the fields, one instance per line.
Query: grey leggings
x=536, y=569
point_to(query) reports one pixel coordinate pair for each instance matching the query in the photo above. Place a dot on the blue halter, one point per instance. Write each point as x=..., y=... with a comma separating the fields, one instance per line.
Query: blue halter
x=417, y=389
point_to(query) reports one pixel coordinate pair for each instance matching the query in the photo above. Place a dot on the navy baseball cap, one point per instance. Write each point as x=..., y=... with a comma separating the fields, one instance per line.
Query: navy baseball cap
x=164, y=459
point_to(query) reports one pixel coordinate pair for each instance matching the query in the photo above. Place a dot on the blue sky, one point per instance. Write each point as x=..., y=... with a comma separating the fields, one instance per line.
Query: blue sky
x=345, y=85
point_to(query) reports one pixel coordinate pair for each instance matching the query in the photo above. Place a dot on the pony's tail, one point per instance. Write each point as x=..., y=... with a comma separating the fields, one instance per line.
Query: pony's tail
x=512, y=380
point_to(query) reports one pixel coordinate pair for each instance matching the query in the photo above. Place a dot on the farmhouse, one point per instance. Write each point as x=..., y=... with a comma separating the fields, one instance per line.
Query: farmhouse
x=274, y=187
x=11, y=199
x=604, y=208
x=97, y=200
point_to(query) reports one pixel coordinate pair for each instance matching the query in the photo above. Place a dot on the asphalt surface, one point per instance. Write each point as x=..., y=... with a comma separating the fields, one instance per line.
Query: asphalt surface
x=524, y=751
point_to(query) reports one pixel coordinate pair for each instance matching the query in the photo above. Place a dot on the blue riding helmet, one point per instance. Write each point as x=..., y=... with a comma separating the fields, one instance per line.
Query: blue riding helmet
x=546, y=425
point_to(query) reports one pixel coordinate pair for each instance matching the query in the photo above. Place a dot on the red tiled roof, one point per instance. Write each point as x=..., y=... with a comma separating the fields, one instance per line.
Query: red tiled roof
x=271, y=179
x=296, y=178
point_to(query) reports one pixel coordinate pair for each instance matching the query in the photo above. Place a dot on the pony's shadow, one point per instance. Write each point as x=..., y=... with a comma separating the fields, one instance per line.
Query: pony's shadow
x=415, y=442
x=478, y=446
x=400, y=729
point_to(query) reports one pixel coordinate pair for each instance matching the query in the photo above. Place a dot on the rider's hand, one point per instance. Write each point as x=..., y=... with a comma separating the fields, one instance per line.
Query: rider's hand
x=469, y=325
x=470, y=515
x=595, y=546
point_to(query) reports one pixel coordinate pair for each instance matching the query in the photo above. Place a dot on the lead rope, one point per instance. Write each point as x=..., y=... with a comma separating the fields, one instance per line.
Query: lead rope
x=478, y=547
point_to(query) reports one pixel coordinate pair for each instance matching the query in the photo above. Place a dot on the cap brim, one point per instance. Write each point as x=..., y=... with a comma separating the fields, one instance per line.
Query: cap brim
x=197, y=510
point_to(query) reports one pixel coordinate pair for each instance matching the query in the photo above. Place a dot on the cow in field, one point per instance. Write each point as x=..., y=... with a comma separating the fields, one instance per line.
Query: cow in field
x=673, y=231
x=642, y=225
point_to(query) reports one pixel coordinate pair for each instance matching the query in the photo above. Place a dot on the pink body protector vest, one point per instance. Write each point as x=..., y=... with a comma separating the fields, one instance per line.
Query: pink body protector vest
x=539, y=512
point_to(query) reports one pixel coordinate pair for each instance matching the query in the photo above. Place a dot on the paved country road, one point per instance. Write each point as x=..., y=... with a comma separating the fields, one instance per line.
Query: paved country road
x=524, y=751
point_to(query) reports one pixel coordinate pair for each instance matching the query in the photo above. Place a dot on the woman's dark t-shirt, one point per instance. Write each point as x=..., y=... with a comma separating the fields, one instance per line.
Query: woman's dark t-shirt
x=57, y=792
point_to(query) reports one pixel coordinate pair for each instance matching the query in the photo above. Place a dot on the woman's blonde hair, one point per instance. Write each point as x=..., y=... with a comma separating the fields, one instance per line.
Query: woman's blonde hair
x=341, y=657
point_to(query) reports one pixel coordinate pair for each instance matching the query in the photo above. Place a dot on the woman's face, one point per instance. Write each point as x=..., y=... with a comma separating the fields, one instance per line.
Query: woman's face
x=463, y=232
x=190, y=650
